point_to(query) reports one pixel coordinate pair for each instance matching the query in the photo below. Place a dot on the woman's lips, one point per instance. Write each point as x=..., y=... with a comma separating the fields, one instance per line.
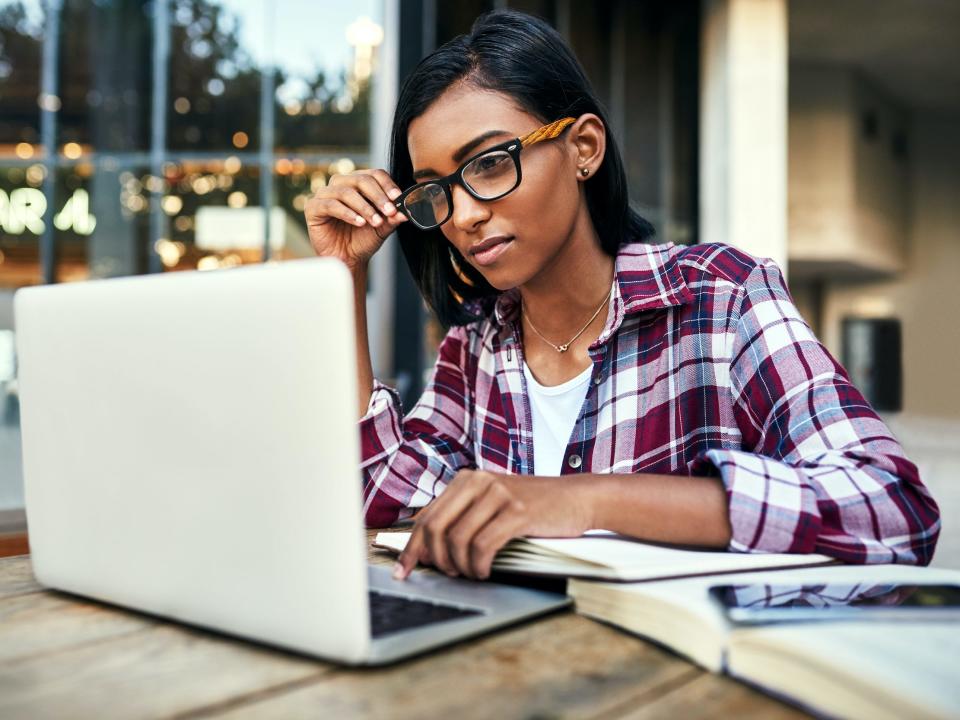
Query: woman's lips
x=491, y=255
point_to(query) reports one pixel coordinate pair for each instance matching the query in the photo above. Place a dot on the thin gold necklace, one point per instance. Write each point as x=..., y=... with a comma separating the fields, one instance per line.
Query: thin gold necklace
x=566, y=346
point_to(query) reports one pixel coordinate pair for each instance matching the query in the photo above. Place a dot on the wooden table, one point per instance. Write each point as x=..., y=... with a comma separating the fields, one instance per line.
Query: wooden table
x=67, y=657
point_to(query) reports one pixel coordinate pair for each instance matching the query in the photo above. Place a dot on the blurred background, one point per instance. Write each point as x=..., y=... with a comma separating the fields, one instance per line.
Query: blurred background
x=144, y=137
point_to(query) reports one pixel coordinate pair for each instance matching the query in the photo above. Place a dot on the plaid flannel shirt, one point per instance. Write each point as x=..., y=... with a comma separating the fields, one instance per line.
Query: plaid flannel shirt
x=704, y=367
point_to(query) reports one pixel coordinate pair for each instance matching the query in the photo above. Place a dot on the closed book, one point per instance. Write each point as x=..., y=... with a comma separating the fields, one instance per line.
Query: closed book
x=862, y=668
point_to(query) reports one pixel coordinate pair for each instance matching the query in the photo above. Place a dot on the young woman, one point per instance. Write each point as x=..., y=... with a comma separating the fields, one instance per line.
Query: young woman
x=588, y=379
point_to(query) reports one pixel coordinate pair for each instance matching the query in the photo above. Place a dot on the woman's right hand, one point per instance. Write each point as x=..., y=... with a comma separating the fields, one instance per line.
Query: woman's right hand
x=352, y=216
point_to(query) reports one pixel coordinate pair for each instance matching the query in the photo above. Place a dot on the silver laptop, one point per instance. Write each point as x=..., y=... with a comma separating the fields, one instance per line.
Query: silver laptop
x=190, y=449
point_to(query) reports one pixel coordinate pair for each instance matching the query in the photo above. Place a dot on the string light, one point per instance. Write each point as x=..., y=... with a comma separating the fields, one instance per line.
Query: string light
x=48, y=102
x=169, y=252
x=232, y=165
x=171, y=204
x=36, y=174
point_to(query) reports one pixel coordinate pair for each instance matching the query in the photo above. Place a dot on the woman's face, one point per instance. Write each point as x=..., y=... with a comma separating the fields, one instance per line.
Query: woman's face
x=535, y=220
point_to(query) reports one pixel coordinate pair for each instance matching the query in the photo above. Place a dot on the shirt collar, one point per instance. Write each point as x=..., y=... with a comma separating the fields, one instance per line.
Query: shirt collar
x=648, y=277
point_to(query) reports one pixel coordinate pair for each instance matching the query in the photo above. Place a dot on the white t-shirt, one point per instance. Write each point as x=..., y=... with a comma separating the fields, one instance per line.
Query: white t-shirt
x=555, y=410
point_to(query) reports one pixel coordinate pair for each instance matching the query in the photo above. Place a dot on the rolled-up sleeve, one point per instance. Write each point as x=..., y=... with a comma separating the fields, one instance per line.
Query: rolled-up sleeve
x=818, y=471
x=406, y=461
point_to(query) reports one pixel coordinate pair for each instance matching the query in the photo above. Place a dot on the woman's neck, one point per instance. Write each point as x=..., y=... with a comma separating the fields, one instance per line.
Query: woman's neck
x=566, y=293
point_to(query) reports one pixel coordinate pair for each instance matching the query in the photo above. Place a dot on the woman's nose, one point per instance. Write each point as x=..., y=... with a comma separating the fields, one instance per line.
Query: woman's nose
x=468, y=212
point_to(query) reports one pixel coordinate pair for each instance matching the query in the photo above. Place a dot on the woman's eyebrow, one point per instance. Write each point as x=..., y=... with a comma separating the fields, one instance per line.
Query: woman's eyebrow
x=460, y=154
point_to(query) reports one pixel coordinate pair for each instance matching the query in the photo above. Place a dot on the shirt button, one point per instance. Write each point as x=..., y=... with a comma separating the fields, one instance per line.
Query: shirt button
x=574, y=461
x=598, y=379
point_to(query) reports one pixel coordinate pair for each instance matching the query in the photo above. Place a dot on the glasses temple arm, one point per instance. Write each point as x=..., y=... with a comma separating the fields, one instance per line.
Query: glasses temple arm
x=547, y=132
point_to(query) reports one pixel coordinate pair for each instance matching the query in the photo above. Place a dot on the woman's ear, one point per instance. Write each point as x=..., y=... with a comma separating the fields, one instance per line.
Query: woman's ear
x=589, y=138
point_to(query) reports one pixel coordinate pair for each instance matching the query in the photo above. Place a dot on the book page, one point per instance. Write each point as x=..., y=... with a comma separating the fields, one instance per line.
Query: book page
x=636, y=560
x=894, y=668
x=395, y=542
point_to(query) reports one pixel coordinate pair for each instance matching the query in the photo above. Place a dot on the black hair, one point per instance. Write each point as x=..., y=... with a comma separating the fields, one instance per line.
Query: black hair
x=523, y=57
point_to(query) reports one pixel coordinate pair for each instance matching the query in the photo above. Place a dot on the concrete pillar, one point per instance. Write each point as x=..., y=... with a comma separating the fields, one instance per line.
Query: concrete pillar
x=743, y=126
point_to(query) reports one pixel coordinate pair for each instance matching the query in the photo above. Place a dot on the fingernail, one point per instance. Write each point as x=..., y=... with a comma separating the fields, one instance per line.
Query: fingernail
x=397, y=571
x=359, y=220
x=388, y=209
x=376, y=220
x=393, y=193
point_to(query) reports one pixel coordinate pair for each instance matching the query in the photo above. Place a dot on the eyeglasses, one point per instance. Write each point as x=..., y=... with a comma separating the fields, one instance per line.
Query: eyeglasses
x=488, y=175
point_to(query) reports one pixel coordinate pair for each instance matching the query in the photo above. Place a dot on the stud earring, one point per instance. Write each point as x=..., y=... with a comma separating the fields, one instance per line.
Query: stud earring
x=584, y=171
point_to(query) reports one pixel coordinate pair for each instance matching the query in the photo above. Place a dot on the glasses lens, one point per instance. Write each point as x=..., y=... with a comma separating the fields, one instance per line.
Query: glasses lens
x=427, y=205
x=492, y=174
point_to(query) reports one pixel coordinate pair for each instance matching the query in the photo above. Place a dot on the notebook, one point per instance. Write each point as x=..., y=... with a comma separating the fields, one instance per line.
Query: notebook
x=600, y=554
x=851, y=669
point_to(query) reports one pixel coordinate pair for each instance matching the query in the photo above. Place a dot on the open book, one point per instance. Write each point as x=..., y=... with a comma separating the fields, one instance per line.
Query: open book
x=604, y=555
x=856, y=669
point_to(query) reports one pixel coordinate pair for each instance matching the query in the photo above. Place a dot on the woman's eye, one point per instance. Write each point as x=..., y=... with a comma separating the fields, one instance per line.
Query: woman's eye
x=490, y=162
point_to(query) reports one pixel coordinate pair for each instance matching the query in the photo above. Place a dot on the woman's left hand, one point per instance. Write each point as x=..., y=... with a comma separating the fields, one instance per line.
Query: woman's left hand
x=479, y=512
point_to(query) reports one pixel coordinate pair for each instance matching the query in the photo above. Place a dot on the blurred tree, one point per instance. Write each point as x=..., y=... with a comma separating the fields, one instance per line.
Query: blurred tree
x=217, y=81
x=21, y=39
x=214, y=85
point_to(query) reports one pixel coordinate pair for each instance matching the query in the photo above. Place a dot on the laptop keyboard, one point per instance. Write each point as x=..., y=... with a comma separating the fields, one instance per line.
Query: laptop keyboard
x=392, y=613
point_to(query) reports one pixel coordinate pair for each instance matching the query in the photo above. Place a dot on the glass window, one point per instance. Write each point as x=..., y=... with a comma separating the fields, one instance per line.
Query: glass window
x=214, y=82
x=22, y=209
x=126, y=190
x=104, y=77
x=21, y=170
x=318, y=123
x=219, y=218
x=322, y=104
x=21, y=47
x=97, y=227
